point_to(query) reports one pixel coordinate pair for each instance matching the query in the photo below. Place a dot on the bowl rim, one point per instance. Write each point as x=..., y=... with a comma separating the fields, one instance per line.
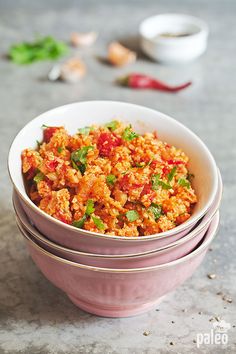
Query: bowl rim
x=201, y=24
x=206, y=242
x=164, y=234
x=32, y=230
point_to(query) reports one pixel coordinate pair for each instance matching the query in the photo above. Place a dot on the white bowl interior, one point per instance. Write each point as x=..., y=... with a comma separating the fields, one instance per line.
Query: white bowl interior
x=171, y=23
x=78, y=115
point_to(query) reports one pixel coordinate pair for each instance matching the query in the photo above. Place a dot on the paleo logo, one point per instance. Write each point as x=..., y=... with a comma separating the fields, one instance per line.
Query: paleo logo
x=218, y=334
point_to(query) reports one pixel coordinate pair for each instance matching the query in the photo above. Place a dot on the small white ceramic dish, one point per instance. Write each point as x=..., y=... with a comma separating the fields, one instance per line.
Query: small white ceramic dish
x=173, y=38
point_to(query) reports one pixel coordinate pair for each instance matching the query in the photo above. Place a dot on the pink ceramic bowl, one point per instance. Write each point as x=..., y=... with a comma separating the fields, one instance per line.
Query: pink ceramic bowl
x=143, y=119
x=162, y=255
x=118, y=292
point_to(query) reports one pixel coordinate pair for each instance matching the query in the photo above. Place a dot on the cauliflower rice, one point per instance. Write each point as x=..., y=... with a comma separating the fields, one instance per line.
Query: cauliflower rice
x=110, y=180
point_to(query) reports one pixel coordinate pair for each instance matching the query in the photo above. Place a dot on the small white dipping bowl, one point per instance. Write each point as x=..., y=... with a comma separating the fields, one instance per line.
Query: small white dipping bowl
x=173, y=38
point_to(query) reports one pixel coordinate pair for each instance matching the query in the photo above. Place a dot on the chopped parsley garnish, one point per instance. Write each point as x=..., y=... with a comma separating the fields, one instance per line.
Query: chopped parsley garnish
x=89, y=210
x=98, y=222
x=132, y=215
x=156, y=209
x=42, y=48
x=45, y=126
x=129, y=134
x=140, y=165
x=60, y=149
x=79, y=158
x=111, y=179
x=190, y=176
x=89, y=207
x=184, y=183
x=39, y=177
x=171, y=174
x=38, y=144
x=143, y=164
x=79, y=223
x=156, y=182
x=85, y=130
x=112, y=125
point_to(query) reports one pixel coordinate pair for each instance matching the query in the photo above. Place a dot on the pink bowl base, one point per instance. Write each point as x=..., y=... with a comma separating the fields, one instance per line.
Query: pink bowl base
x=114, y=294
x=121, y=311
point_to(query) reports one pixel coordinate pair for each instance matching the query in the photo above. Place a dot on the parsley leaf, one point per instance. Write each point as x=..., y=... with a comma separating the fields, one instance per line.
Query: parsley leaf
x=112, y=125
x=79, y=158
x=156, y=209
x=139, y=165
x=84, y=131
x=38, y=144
x=111, y=179
x=132, y=215
x=42, y=48
x=156, y=182
x=60, y=149
x=128, y=134
x=39, y=177
x=183, y=183
x=79, y=223
x=98, y=222
x=190, y=176
x=89, y=207
x=171, y=174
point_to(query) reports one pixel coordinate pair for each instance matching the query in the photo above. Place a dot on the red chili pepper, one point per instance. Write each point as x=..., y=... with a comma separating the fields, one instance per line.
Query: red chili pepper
x=140, y=81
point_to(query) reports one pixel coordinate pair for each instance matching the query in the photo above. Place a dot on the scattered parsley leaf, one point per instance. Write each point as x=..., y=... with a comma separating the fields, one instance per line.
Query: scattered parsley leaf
x=171, y=174
x=39, y=177
x=98, y=222
x=128, y=134
x=89, y=207
x=132, y=215
x=139, y=165
x=38, y=144
x=45, y=126
x=42, y=48
x=156, y=209
x=79, y=158
x=84, y=131
x=183, y=183
x=111, y=179
x=79, y=223
x=60, y=149
x=112, y=125
x=156, y=182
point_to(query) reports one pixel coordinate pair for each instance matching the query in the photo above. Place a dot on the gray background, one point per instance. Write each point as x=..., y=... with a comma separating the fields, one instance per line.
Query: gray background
x=35, y=317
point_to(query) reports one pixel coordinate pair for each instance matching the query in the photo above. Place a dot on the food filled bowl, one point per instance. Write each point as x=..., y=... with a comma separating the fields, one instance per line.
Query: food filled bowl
x=165, y=254
x=140, y=136
x=118, y=292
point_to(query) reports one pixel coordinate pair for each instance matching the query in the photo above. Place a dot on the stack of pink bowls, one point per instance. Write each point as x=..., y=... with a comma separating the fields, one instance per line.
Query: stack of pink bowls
x=117, y=276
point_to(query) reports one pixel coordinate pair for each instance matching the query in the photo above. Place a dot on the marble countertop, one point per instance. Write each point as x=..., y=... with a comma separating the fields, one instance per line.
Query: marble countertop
x=35, y=317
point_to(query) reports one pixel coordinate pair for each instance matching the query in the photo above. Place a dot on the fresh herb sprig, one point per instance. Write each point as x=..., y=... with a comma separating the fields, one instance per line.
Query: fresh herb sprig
x=129, y=134
x=79, y=158
x=42, y=48
x=156, y=182
x=156, y=210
